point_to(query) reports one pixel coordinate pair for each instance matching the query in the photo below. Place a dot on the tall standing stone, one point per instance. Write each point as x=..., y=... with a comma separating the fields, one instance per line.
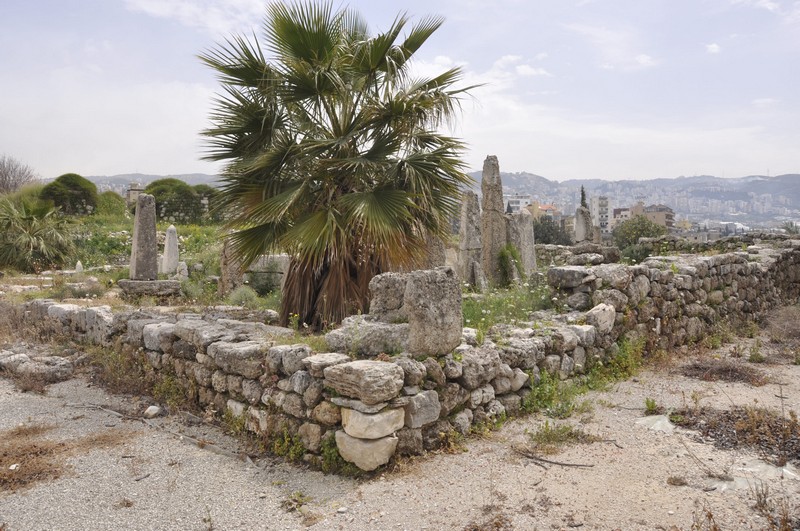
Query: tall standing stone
x=470, y=247
x=144, y=255
x=170, y=258
x=493, y=221
x=520, y=235
x=434, y=252
x=583, y=225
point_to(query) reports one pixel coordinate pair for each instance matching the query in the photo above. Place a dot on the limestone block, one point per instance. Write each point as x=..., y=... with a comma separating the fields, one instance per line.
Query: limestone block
x=317, y=363
x=326, y=413
x=602, y=318
x=372, y=426
x=310, y=436
x=422, y=409
x=433, y=304
x=480, y=366
x=245, y=358
x=414, y=371
x=567, y=276
x=364, y=453
x=363, y=335
x=386, y=297
x=154, y=334
x=367, y=380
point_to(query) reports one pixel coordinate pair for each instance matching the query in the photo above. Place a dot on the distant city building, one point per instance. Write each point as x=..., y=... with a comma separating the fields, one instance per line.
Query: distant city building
x=600, y=210
x=133, y=193
x=515, y=203
x=659, y=214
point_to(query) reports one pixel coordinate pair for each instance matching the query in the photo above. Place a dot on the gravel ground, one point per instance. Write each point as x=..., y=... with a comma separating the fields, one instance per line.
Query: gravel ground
x=153, y=480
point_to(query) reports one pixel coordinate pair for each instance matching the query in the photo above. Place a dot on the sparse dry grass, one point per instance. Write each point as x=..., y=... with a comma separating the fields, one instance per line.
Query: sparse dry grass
x=712, y=370
x=550, y=439
x=27, y=458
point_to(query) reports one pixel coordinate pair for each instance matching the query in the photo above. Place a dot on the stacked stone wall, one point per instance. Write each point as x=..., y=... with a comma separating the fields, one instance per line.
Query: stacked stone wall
x=389, y=386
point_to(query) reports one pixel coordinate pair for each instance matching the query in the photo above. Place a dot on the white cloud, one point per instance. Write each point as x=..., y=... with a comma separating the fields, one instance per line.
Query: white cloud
x=617, y=49
x=540, y=56
x=769, y=5
x=762, y=103
x=215, y=16
x=713, y=48
x=527, y=71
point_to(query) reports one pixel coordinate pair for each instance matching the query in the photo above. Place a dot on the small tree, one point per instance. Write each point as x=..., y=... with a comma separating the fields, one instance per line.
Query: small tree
x=584, y=204
x=547, y=231
x=628, y=232
x=14, y=174
x=74, y=194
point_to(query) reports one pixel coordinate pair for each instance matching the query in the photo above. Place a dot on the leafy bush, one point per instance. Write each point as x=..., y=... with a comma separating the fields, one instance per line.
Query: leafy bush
x=635, y=254
x=74, y=194
x=547, y=231
x=176, y=200
x=243, y=296
x=111, y=204
x=628, y=232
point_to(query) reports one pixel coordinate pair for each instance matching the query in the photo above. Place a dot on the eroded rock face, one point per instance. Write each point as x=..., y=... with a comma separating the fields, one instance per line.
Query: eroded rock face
x=493, y=221
x=366, y=454
x=433, y=304
x=422, y=409
x=602, y=318
x=386, y=297
x=480, y=366
x=367, y=380
x=360, y=334
x=144, y=253
x=318, y=362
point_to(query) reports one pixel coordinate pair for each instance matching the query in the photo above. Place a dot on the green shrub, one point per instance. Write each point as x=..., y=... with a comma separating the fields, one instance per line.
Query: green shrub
x=510, y=261
x=628, y=232
x=243, y=296
x=635, y=254
x=111, y=204
x=175, y=200
x=74, y=194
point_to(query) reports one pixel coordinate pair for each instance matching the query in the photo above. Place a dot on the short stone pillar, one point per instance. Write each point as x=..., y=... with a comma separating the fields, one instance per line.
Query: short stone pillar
x=583, y=225
x=170, y=259
x=144, y=254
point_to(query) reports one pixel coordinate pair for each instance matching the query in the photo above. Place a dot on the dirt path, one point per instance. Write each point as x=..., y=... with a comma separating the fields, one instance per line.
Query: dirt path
x=146, y=478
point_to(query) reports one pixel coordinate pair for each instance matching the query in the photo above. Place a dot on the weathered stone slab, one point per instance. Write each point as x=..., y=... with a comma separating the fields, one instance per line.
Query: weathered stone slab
x=152, y=288
x=422, y=409
x=493, y=221
x=245, y=358
x=369, y=381
x=358, y=405
x=317, y=363
x=365, y=454
x=480, y=366
x=372, y=426
x=359, y=334
x=433, y=304
x=154, y=334
x=386, y=297
x=602, y=317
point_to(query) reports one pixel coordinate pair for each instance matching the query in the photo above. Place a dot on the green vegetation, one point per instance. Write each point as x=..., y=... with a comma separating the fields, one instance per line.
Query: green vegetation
x=333, y=463
x=547, y=231
x=288, y=446
x=74, y=194
x=549, y=439
x=626, y=237
x=111, y=204
x=332, y=152
x=651, y=407
x=510, y=261
x=178, y=201
x=33, y=237
x=508, y=306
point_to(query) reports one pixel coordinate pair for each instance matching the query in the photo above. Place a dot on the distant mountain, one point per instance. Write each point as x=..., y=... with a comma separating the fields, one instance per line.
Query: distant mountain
x=125, y=179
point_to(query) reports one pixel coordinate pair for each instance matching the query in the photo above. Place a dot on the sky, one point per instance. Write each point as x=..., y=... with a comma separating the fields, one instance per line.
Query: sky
x=572, y=89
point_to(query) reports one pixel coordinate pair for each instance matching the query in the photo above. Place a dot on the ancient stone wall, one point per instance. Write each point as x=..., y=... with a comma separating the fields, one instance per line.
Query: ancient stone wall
x=390, y=385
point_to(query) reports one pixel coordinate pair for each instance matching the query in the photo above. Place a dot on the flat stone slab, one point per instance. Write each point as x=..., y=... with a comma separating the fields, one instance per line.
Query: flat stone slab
x=367, y=380
x=154, y=288
x=319, y=362
x=372, y=426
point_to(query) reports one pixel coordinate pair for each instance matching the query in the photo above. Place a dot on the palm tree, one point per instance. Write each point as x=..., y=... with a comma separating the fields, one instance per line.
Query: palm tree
x=332, y=153
x=33, y=237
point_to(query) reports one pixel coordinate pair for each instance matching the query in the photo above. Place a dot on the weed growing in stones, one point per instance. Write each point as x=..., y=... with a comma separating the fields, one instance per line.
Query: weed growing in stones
x=508, y=306
x=549, y=439
x=332, y=461
x=289, y=446
x=651, y=407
